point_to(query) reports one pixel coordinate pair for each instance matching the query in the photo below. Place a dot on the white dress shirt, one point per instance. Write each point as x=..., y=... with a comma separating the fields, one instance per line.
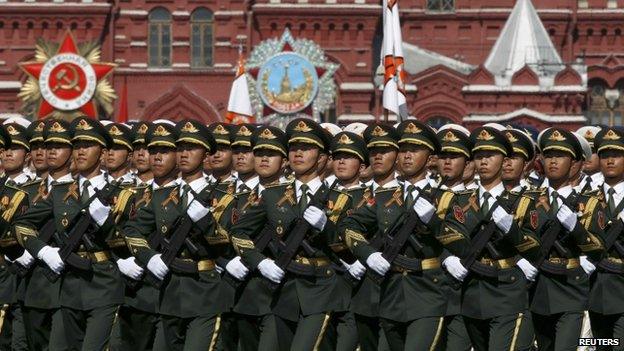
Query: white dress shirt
x=313, y=186
x=495, y=192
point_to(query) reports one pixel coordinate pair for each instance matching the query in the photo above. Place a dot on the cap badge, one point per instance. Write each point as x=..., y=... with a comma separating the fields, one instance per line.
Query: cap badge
x=57, y=128
x=221, y=130
x=115, y=131
x=161, y=131
x=244, y=131
x=412, y=129
x=39, y=127
x=512, y=138
x=267, y=134
x=556, y=136
x=344, y=139
x=142, y=129
x=589, y=134
x=12, y=130
x=83, y=125
x=485, y=135
x=379, y=132
x=189, y=128
x=611, y=135
x=450, y=137
x=302, y=127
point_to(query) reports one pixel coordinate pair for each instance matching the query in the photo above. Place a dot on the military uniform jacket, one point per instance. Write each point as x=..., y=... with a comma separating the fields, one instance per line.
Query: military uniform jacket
x=278, y=208
x=404, y=296
x=182, y=295
x=553, y=293
x=486, y=297
x=100, y=287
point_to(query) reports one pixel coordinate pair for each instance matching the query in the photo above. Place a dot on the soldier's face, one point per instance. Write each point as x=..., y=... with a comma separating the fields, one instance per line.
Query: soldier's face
x=489, y=164
x=222, y=159
x=268, y=163
x=451, y=166
x=117, y=157
x=413, y=159
x=347, y=167
x=162, y=161
x=593, y=165
x=557, y=165
x=190, y=158
x=382, y=160
x=57, y=155
x=469, y=172
x=14, y=159
x=87, y=155
x=140, y=158
x=513, y=168
x=612, y=165
x=38, y=156
x=243, y=159
x=304, y=158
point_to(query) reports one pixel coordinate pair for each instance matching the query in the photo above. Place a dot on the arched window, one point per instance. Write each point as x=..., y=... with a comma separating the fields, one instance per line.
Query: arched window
x=201, y=37
x=438, y=121
x=606, y=106
x=441, y=5
x=159, y=38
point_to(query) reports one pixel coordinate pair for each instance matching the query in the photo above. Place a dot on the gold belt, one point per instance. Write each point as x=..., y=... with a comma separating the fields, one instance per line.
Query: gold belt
x=615, y=260
x=98, y=256
x=425, y=264
x=503, y=263
x=316, y=261
x=570, y=263
x=205, y=265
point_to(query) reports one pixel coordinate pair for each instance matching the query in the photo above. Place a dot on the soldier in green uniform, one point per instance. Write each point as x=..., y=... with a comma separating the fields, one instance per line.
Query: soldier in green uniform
x=494, y=298
x=256, y=322
x=591, y=168
x=455, y=155
x=91, y=290
x=140, y=155
x=221, y=160
x=43, y=320
x=119, y=156
x=304, y=301
x=561, y=290
x=606, y=303
x=37, y=149
x=192, y=297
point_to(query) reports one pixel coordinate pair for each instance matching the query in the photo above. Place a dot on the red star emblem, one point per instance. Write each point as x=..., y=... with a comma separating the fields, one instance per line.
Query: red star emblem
x=67, y=80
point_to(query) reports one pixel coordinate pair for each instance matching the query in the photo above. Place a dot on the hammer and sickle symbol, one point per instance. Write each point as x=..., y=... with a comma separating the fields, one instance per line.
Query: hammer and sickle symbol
x=64, y=82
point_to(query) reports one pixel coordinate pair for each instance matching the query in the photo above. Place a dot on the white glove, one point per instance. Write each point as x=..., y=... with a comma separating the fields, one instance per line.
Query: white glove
x=455, y=268
x=98, y=211
x=502, y=219
x=129, y=268
x=270, y=270
x=25, y=260
x=424, y=209
x=567, y=217
x=588, y=267
x=378, y=263
x=357, y=270
x=219, y=269
x=51, y=257
x=316, y=217
x=157, y=267
x=530, y=272
x=196, y=211
x=236, y=268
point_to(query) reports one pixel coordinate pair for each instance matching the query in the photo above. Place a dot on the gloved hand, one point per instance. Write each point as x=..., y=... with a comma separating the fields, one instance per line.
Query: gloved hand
x=316, y=217
x=98, y=211
x=424, y=209
x=378, y=263
x=218, y=268
x=196, y=211
x=455, y=268
x=567, y=217
x=270, y=270
x=587, y=266
x=356, y=269
x=530, y=272
x=236, y=268
x=129, y=268
x=51, y=257
x=25, y=260
x=157, y=267
x=502, y=219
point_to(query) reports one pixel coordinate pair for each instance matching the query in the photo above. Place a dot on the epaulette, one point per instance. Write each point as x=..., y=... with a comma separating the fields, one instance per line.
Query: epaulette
x=32, y=182
x=166, y=187
x=65, y=182
x=382, y=189
x=286, y=183
x=342, y=191
x=141, y=186
x=594, y=193
x=465, y=192
x=14, y=187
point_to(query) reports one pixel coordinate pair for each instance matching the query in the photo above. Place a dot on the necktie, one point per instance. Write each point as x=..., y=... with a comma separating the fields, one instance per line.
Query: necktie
x=611, y=201
x=84, y=194
x=555, y=202
x=303, y=201
x=186, y=189
x=242, y=188
x=485, y=206
x=409, y=199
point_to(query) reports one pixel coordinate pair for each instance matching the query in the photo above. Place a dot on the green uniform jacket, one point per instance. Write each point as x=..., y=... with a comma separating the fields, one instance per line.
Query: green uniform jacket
x=100, y=287
x=182, y=295
x=483, y=297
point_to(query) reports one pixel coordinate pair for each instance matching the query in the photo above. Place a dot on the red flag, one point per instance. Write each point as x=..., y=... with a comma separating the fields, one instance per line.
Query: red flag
x=122, y=115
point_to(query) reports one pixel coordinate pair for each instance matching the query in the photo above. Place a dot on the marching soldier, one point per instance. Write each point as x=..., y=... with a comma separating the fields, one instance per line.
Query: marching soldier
x=561, y=290
x=221, y=160
x=606, y=301
x=43, y=320
x=192, y=297
x=37, y=149
x=119, y=156
x=140, y=155
x=91, y=286
x=591, y=167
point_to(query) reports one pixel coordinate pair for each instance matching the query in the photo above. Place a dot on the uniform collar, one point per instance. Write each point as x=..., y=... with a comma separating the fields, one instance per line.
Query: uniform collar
x=171, y=183
x=597, y=178
x=356, y=186
x=421, y=184
x=457, y=187
x=619, y=188
x=197, y=185
x=97, y=182
x=564, y=192
x=391, y=184
x=250, y=183
x=19, y=179
x=495, y=192
x=62, y=179
x=472, y=185
x=329, y=180
x=313, y=185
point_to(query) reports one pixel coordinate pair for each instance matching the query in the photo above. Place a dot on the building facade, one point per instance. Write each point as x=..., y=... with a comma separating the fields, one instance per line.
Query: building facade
x=177, y=57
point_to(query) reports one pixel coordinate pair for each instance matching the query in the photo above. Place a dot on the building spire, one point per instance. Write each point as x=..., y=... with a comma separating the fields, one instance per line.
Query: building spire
x=523, y=41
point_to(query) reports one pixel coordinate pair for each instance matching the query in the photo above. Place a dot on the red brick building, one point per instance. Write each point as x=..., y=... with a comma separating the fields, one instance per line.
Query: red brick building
x=177, y=57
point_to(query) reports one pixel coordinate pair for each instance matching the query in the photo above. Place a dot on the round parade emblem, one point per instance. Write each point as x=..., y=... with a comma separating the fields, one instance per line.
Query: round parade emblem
x=67, y=81
x=288, y=82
